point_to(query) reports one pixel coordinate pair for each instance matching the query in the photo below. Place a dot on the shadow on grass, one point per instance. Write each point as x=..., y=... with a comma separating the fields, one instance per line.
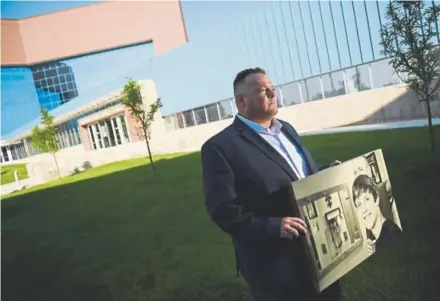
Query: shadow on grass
x=129, y=235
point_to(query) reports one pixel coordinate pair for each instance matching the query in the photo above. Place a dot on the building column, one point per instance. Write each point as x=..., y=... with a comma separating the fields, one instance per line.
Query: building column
x=121, y=130
x=8, y=151
x=26, y=148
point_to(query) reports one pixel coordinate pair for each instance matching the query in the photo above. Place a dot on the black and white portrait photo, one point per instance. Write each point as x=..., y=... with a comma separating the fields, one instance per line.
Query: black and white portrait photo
x=367, y=202
x=351, y=213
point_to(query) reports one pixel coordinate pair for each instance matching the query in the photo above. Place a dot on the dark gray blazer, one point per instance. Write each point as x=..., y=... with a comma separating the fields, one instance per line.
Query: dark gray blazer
x=246, y=189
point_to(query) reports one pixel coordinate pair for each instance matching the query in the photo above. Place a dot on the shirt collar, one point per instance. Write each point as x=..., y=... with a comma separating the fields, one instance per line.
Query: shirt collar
x=274, y=129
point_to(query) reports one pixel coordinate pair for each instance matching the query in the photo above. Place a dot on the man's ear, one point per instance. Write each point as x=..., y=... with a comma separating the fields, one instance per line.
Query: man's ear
x=239, y=100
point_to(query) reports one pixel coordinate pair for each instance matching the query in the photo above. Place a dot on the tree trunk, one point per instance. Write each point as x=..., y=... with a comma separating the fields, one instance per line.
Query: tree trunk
x=56, y=164
x=151, y=157
x=431, y=128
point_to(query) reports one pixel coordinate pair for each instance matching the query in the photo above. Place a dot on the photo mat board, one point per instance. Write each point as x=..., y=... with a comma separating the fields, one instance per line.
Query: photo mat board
x=350, y=213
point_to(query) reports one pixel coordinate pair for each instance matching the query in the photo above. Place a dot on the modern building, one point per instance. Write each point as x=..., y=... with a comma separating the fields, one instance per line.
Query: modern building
x=315, y=52
x=52, y=61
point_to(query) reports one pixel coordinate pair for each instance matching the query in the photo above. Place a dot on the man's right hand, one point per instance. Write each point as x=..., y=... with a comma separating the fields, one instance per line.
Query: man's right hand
x=292, y=227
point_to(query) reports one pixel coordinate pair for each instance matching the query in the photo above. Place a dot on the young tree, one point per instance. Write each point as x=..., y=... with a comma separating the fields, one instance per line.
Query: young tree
x=143, y=114
x=45, y=139
x=409, y=38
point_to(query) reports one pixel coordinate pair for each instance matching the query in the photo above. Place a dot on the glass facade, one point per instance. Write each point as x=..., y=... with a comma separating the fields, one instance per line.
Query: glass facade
x=291, y=40
x=55, y=84
x=368, y=76
x=62, y=86
x=108, y=132
x=13, y=152
x=311, y=50
x=19, y=99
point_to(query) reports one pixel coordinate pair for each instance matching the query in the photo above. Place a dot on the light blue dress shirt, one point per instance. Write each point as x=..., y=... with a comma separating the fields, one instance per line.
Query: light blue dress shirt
x=276, y=138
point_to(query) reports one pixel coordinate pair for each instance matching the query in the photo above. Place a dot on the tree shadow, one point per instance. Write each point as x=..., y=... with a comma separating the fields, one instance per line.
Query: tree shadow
x=113, y=237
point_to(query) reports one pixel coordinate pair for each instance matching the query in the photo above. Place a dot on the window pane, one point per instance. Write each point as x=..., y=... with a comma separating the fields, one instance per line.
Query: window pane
x=91, y=137
x=124, y=128
x=279, y=97
x=363, y=30
x=383, y=74
x=226, y=109
x=374, y=25
x=313, y=89
x=300, y=34
x=189, y=118
x=339, y=26
x=117, y=130
x=200, y=115
x=291, y=94
x=333, y=84
x=358, y=79
x=350, y=27
x=212, y=112
x=310, y=25
x=169, y=123
x=179, y=120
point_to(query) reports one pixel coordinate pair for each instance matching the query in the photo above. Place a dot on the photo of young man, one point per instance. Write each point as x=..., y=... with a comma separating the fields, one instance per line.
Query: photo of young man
x=367, y=202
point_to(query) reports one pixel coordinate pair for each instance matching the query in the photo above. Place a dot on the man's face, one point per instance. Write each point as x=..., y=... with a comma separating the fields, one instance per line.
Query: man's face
x=368, y=208
x=257, y=97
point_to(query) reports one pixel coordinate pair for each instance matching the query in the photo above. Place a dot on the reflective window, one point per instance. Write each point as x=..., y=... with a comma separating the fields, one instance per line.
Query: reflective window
x=373, y=13
x=213, y=112
x=303, y=90
x=291, y=94
x=55, y=84
x=358, y=79
x=313, y=89
x=300, y=37
x=279, y=97
x=310, y=27
x=179, y=119
x=125, y=136
x=200, y=115
x=19, y=102
x=108, y=132
x=363, y=30
x=91, y=137
x=333, y=84
x=383, y=74
x=350, y=17
x=189, y=118
x=336, y=9
x=225, y=107
x=169, y=123
x=83, y=79
x=320, y=33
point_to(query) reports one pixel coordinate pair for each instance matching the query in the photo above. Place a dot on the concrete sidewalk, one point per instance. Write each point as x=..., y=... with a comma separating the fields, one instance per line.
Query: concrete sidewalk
x=11, y=187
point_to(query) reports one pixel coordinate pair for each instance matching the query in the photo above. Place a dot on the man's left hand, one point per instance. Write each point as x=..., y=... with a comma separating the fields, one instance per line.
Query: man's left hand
x=334, y=163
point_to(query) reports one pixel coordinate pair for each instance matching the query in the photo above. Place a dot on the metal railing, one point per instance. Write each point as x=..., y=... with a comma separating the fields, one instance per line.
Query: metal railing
x=367, y=76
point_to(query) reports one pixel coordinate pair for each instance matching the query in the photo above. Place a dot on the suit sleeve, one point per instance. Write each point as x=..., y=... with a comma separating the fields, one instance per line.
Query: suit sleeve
x=219, y=192
x=322, y=167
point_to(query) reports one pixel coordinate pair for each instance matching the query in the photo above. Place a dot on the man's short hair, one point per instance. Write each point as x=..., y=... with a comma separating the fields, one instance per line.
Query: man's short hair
x=241, y=76
x=364, y=183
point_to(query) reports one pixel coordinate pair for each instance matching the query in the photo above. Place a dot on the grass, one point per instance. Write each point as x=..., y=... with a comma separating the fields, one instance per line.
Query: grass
x=7, y=173
x=117, y=233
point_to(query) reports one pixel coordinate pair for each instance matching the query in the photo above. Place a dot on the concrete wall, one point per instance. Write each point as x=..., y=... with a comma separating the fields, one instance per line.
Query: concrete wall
x=384, y=104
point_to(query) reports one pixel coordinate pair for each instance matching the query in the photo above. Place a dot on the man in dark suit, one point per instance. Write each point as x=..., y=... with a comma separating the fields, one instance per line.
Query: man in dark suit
x=247, y=170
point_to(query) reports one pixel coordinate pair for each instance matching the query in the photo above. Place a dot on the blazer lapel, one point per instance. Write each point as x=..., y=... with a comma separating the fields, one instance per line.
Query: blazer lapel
x=252, y=137
x=295, y=139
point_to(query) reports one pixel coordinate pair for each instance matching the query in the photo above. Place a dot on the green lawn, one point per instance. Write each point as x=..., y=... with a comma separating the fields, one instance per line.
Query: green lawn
x=117, y=233
x=7, y=173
